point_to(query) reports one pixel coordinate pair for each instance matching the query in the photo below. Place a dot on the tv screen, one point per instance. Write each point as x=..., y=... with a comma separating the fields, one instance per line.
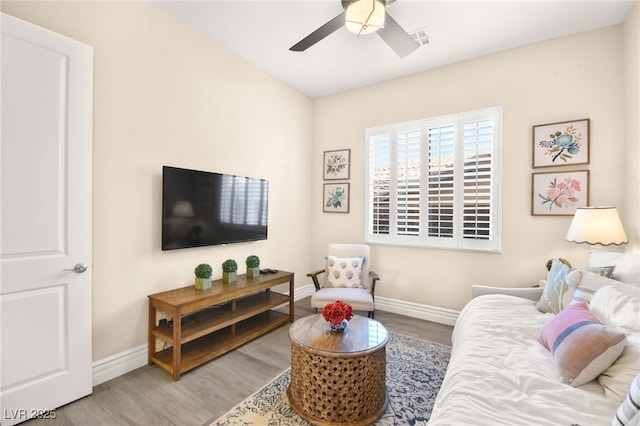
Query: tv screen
x=204, y=208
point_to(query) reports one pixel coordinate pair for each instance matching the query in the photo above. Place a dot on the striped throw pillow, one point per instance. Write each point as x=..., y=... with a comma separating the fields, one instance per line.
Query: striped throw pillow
x=590, y=282
x=581, y=346
x=630, y=407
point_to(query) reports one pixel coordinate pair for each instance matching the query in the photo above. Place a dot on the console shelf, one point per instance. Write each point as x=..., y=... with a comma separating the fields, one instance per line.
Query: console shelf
x=209, y=323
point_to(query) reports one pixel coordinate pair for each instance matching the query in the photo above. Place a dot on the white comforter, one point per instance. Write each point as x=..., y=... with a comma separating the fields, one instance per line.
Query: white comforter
x=499, y=374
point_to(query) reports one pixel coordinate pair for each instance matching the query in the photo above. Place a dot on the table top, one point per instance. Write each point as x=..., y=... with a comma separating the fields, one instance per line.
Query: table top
x=221, y=292
x=361, y=335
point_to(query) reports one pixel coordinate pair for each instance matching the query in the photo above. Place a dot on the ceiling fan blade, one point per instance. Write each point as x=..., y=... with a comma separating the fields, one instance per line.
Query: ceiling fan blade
x=397, y=38
x=325, y=30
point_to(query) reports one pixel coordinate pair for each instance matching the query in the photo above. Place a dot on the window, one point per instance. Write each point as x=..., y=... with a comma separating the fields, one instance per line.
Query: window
x=435, y=182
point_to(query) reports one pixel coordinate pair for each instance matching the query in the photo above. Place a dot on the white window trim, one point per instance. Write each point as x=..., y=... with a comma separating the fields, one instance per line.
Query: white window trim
x=493, y=245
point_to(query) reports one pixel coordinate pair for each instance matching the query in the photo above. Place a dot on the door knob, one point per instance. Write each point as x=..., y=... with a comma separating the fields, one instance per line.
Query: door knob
x=78, y=268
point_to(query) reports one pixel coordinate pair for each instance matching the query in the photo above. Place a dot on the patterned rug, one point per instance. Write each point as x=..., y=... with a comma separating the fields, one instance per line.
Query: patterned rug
x=415, y=369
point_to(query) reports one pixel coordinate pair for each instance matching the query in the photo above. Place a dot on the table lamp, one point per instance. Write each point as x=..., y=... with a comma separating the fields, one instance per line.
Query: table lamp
x=596, y=226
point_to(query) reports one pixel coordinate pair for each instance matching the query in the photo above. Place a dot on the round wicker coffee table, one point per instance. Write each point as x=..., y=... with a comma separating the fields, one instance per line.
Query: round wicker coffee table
x=338, y=377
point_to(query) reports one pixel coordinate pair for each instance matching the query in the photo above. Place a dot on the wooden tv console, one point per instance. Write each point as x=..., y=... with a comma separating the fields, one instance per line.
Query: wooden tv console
x=208, y=323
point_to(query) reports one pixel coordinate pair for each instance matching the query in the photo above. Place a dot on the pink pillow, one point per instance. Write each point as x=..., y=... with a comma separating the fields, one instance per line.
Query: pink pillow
x=581, y=346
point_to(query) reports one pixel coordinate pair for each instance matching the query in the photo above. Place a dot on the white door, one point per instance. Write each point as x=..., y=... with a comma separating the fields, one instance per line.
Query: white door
x=45, y=221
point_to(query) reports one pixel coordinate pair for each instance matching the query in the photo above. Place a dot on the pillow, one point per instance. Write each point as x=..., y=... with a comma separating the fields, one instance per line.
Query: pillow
x=581, y=346
x=618, y=306
x=574, y=276
x=630, y=406
x=344, y=271
x=554, y=296
x=627, y=264
x=615, y=380
x=561, y=285
x=590, y=282
x=603, y=271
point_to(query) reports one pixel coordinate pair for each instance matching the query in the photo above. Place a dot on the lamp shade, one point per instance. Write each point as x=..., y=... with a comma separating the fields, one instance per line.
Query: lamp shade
x=596, y=225
x=364, y=16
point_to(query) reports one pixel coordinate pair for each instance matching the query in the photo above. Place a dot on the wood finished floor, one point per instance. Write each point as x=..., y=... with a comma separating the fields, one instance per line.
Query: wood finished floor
x=148, y=395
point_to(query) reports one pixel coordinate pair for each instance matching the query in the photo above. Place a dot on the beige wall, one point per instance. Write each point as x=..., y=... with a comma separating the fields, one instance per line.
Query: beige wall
x=163, y=94
x=631, y=34
x=575, y=77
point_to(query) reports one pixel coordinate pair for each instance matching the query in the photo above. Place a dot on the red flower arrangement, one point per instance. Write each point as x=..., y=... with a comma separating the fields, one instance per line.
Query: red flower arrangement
x=337, y=312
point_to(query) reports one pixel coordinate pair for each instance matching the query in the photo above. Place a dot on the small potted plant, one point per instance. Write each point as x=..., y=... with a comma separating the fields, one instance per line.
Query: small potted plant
x=253, y=266
x=203, y=276
x=550, y=262
x=229, y=271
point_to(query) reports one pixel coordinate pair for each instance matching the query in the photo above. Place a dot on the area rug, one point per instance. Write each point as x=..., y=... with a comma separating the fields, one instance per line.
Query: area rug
x=415, y=369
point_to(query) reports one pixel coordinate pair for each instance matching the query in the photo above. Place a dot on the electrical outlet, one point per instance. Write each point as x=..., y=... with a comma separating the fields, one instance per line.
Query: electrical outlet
x=163, y=318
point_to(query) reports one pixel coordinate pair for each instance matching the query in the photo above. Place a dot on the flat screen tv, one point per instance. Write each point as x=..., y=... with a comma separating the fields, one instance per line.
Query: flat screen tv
x=203, y=208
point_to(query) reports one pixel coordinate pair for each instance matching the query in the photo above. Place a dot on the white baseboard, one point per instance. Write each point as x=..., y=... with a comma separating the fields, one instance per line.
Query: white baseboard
x=116, y=365
x=304, y=291
x=410, y=309
x=417, y=310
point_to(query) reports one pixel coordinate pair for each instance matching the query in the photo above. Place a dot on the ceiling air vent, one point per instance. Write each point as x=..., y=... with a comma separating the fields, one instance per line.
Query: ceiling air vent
x=420, y=36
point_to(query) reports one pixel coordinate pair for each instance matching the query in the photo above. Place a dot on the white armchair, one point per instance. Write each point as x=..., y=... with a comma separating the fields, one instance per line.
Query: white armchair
x=360, y=298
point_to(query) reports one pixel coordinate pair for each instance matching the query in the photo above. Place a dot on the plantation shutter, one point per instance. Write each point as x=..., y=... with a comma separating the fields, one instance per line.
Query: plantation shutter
x=478, y=174
x=441, y=180
x=435, y=182
x=379, y=185
x=408, y=183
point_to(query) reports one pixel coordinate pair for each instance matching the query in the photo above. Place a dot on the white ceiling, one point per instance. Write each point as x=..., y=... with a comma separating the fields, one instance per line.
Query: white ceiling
x=262, y=31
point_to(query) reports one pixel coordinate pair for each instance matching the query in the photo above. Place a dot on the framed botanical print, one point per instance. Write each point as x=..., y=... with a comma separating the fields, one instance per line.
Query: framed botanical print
x=336, y=164
x=561, y=144
x=335, y=198
x=559, y=193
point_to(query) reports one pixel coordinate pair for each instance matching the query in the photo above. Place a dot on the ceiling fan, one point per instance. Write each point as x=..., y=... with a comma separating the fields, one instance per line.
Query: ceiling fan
x=364, y=17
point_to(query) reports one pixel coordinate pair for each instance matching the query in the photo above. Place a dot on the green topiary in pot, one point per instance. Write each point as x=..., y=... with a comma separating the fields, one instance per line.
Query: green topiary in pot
x=229, y=271
x=203, y=276
x=253, y=266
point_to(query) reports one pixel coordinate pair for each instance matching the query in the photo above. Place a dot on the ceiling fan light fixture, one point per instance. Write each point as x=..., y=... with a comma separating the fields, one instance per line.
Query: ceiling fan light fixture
x=365, y=16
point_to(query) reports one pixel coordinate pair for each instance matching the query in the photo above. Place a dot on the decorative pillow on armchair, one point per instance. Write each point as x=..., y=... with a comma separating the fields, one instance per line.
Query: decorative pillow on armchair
x=344, y=271
x=582, y=347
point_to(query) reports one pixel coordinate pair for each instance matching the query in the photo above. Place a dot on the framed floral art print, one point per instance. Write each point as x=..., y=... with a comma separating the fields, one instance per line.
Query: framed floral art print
x=336, y=164
x=335, y=198
x=561, y=144
x=559, y=193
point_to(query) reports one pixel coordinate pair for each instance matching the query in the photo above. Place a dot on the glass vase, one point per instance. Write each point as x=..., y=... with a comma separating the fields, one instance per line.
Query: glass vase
x=339, y=327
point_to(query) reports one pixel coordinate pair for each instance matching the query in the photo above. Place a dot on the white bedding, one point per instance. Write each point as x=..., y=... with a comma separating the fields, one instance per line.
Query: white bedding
x=499, y=374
